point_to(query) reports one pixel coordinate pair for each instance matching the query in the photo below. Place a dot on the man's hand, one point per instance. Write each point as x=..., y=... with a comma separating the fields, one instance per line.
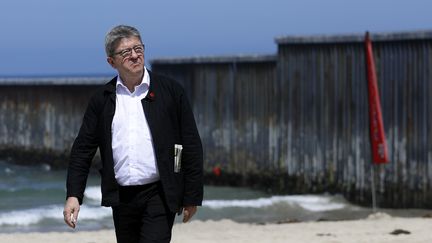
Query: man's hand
x=188, y=212
x=70, y=212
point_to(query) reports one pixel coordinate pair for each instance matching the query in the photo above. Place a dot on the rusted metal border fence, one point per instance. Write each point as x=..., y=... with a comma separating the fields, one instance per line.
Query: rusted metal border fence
x=295, y=122
x=40, y=117
x=306, y=127
x=233, y=100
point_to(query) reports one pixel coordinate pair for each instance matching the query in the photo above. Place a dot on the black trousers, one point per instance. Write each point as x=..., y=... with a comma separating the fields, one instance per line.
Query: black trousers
x=143, y=215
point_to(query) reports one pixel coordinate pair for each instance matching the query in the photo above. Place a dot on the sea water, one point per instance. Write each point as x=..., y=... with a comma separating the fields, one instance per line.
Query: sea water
x=32, y=199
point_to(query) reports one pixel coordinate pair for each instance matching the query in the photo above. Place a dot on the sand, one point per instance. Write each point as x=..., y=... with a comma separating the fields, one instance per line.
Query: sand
x=376, y=228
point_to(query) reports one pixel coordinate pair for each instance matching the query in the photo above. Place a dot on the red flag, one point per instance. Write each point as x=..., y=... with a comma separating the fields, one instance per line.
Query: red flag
x=376, y=125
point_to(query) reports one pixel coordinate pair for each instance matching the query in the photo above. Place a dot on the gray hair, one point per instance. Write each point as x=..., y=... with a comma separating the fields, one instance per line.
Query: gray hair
x=116, y=34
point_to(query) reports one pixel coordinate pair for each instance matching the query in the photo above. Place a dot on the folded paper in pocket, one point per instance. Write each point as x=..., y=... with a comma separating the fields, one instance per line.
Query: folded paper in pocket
x=177, y=157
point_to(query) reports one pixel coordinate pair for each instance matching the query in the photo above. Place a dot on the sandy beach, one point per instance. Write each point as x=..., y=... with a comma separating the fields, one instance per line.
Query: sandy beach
x=379, y=228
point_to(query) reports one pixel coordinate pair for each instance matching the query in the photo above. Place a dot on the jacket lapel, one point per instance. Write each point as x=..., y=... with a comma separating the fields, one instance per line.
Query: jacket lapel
x=109, y=109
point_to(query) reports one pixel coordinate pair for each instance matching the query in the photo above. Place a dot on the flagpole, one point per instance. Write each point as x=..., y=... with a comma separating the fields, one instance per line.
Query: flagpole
x=374, y=205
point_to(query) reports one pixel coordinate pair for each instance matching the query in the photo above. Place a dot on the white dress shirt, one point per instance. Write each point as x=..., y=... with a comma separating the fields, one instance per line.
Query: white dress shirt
x=132, y=145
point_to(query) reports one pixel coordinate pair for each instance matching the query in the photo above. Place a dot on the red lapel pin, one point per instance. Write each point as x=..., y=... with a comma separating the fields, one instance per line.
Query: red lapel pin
x=152, y=95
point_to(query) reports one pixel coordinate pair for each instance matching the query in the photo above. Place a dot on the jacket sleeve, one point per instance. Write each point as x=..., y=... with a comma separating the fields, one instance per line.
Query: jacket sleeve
x=192, y=155
x=82, y=153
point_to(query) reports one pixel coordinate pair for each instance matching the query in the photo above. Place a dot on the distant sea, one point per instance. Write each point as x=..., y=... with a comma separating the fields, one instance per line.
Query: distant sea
x=32, y=199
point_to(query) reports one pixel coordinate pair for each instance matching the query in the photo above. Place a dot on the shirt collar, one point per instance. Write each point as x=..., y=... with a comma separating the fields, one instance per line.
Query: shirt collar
x=144, y=82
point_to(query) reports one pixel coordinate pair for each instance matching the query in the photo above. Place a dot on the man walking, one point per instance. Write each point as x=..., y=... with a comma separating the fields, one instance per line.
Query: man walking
x=150, y=148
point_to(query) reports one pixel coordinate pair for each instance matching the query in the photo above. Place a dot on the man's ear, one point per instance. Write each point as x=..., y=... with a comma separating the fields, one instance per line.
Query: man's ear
x=111, y=61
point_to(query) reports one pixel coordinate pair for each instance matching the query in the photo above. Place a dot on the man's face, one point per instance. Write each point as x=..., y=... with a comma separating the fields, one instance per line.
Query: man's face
x=129, y=57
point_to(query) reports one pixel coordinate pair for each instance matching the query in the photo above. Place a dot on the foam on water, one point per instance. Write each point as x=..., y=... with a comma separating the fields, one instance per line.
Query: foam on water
x=309, y=202
x=35, y=215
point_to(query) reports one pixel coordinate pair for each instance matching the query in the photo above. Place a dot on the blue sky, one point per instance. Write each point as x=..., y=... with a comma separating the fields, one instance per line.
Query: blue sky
x=54, y=37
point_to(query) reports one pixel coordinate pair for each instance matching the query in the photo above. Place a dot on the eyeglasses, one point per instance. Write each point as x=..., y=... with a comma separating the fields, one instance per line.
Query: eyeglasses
x=126, y=53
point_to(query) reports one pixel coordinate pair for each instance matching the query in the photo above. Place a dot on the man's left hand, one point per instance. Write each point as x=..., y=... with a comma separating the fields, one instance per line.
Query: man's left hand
x=188, y=212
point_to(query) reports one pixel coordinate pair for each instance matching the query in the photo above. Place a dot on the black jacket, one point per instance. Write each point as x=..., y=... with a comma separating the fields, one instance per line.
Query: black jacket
x=169, y=116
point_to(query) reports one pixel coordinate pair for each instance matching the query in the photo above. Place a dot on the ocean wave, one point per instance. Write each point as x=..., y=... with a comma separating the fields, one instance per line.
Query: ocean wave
x=307, y=202
x=55, y=212
x=314, y=203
